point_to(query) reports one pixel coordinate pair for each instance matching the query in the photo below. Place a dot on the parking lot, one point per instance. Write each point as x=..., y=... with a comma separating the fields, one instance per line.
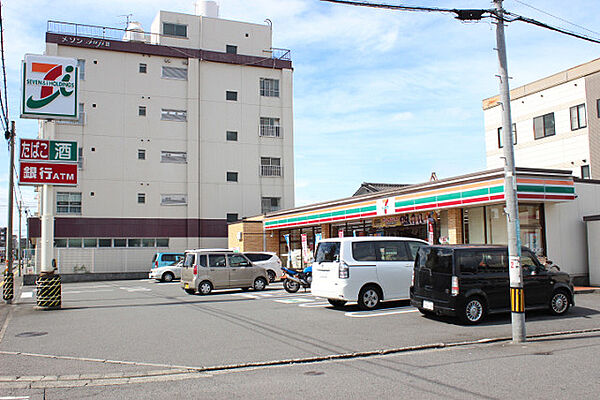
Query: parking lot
x=140, y=328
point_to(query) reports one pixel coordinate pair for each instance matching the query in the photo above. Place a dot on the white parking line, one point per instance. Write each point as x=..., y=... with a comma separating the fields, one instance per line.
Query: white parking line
x=314, y=305
x=361, y=314
x=91, y=287
x=86, y=291
x=294, y=300
x=135, y=289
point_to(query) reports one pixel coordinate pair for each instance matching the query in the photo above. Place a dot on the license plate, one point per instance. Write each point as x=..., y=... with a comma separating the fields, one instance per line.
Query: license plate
x=428, y=305
x=187, y=285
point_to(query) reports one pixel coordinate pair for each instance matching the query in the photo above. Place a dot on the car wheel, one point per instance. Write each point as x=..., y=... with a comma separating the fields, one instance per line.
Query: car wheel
x=291, y=286
x=473, y=311
x=272, y=276
x=337, y=303
x=259, y=284
x=559, y=302
x=369, y=297
x=205, y=287
x=168, y=277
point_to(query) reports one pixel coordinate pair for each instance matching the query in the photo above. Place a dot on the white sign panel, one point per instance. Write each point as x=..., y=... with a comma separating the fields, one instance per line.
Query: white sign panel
x=49, y=89
x=386, y=206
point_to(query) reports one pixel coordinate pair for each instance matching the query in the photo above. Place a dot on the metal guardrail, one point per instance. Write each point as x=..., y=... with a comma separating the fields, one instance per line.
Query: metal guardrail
x=119, y=34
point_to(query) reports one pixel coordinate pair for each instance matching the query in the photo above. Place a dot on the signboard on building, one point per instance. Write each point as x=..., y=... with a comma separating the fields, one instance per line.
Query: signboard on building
x=49, y=87
x=41, y=173
x=48, y=150
x=386, y=206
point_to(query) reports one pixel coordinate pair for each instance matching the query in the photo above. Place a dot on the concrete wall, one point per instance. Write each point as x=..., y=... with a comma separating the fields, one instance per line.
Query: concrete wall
x=566, y=237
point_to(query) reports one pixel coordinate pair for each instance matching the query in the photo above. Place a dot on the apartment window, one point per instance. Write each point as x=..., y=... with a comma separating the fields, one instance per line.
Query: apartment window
x=173, y=199
x=141, y=154
x=90, y=242
x=142, y=111
x=543, y=126
x=80, y=157
x=585, y=172
x=232, y=176
x=174, y=73
x=174, y=29
x=270, y=127
x=176, y=157
x=270, y=166
x=598, y=108
x=270, y=204
x=578, y=119
x=231, y=49
x=75, y=242
x=68, y=202
x=173, y=115
x=120, y=242
x=60, y=242
x=231, y=95
x=269, y=87
x=80, y=118
x=232, y=217
x=81, y=69
x=148, y=242
x=143, y=68
x=232, y=136
x=514, y=135
x=141, y=198
x=104, y=242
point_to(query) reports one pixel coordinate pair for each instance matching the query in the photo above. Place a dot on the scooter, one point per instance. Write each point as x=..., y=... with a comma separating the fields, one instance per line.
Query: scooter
x=294, y=279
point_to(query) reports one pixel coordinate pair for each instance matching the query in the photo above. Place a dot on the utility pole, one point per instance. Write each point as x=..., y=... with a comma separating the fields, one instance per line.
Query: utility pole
x=20, y=249
x=517, y=296
x=8, y=289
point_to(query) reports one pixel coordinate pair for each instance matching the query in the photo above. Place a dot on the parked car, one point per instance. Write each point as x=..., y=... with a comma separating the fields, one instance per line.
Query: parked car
x=164, y=259
x=364, y=269
x=471, y=281
x=167, y=273
x=207, y=269
x=267, y=260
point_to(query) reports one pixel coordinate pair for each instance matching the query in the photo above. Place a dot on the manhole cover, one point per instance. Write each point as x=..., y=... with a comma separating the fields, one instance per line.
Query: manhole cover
x=314, y=373
x=31, y=334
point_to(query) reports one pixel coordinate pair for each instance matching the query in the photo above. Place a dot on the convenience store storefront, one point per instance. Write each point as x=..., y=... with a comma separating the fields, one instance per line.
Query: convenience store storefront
x=463, y=209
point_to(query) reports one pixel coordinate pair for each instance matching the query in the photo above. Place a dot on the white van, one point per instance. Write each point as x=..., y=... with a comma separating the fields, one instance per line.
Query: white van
x=364, y=269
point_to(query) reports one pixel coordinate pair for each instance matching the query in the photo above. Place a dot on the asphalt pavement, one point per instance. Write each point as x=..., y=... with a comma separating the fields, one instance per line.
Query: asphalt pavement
x=131, y=338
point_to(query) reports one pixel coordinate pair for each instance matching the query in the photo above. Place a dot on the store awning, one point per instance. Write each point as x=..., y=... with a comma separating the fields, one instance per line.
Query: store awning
x=480, y=188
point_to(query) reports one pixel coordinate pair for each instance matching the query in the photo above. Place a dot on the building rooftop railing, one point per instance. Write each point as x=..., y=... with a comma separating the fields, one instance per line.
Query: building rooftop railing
x=126, y=35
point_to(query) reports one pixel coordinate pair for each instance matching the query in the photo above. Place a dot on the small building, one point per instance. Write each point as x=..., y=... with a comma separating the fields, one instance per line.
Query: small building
x=462, y=209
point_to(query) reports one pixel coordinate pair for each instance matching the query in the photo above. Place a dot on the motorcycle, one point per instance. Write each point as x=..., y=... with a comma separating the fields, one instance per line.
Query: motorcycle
x=294, y=279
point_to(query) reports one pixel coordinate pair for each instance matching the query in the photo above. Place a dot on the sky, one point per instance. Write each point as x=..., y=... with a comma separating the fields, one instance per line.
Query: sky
x=379, y=95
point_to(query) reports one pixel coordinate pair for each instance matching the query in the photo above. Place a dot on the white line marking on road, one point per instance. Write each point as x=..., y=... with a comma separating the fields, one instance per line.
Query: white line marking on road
x=294, y=300
x=15, y=398
x=91, y=287
x=314, y=305
x=246, y=295
x=26, y=295
x=361, y=314
x=135, y=289
x=85, y=291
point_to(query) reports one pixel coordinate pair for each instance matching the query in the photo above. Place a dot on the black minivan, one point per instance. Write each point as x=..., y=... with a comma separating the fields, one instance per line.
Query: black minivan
x=470, y=281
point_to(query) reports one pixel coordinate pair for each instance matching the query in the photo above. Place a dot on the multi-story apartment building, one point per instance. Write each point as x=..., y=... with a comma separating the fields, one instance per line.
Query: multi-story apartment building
x=556, y=122
x=181, y=130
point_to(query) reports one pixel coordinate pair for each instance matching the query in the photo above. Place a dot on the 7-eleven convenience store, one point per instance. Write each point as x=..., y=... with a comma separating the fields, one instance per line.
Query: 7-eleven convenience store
x=462, y=209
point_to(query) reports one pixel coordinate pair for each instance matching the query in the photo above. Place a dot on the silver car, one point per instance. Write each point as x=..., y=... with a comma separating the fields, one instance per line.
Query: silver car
x=167, y=273
x=269, y=261
x=207, y=269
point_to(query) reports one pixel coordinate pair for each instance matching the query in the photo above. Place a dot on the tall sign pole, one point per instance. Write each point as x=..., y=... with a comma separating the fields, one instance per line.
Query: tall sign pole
x=8, y=289
x=517, y=297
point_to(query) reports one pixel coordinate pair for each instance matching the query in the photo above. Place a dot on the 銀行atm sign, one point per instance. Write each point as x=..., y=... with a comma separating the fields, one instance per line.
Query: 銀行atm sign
x=47, y=162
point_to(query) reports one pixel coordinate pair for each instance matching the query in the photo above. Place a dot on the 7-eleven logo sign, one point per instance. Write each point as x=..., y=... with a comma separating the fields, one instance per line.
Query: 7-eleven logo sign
x=49, y=87
x=386, y=206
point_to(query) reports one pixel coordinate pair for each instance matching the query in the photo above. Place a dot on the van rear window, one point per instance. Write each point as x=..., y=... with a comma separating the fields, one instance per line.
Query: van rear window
x=188, y=262
x=436, y=259
x=328, y=252
x=380, y=251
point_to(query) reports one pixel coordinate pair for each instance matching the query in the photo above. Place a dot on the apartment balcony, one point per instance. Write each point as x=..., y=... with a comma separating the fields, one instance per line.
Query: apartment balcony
x=270, y=170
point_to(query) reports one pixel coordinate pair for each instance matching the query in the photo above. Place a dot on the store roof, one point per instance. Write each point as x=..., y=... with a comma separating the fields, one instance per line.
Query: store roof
x=370, y=187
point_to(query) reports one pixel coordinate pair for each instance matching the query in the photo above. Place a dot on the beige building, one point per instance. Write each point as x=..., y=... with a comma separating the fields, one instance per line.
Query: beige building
x=181, y=131
x=556, y=122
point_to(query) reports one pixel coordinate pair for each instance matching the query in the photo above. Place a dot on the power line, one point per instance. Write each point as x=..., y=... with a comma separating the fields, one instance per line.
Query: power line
x=557, y=17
